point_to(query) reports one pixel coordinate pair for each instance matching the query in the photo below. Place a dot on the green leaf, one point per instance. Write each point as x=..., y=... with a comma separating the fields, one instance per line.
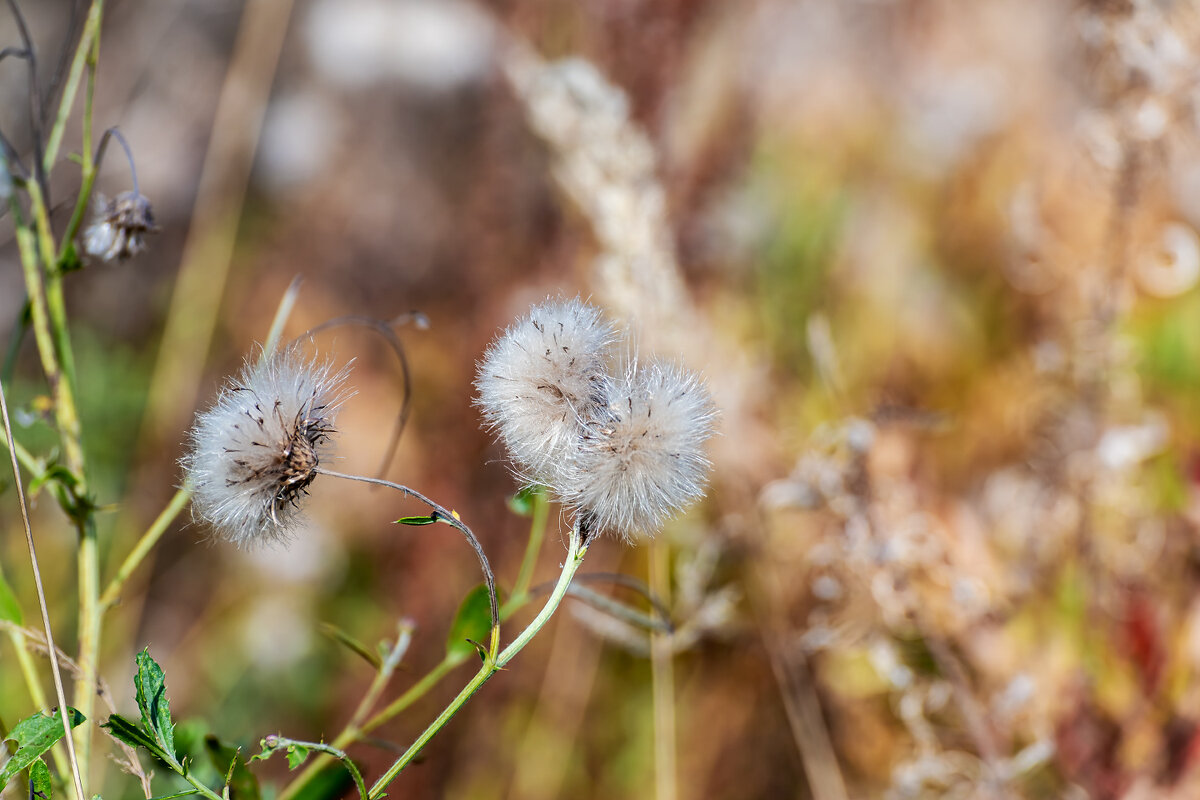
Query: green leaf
x=39, y=780
x=10, y=609
x=432, y=518
x=151, y=687
x=127, y=731
x=522, y=502
x=296, y=752
x=352, y=644
x=34, y=735
x=473, y=622
x=57, y=473
x=229, y=762
x=296, y=755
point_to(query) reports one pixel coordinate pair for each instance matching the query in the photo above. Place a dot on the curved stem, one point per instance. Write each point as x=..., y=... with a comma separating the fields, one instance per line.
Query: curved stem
x=451, y=519
x=575, y=554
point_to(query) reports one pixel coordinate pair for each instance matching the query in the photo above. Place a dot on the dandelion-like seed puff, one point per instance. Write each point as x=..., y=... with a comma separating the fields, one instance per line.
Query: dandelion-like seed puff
x=646, y=462
x=544, y=378
x=626, y=453
x=255, y=452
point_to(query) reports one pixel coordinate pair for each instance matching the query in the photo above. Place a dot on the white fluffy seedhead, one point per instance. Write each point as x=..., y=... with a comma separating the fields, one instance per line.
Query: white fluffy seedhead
x=542, y=381
x=645, y=462
x=254, y=453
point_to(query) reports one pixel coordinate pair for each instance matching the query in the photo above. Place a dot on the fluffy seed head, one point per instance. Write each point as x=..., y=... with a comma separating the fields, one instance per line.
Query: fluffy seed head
x=645, y=462
x=543, y=380
x=119, y=230
x=254, y=453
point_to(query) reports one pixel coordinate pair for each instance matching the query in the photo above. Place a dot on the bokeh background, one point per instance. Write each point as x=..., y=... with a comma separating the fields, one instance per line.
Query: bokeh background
x=937, y=260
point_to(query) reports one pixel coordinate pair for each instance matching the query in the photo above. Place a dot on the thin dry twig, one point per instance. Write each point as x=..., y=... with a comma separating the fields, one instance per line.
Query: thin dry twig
x=41, y=593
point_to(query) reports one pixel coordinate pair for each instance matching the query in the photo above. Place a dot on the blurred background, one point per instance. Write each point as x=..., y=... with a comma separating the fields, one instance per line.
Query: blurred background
x=938, y=261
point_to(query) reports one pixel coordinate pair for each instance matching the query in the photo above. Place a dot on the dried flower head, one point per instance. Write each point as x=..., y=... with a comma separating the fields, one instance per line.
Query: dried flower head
x=255, y=452
x=119, y=228
x=645, y=462
x=541, y=382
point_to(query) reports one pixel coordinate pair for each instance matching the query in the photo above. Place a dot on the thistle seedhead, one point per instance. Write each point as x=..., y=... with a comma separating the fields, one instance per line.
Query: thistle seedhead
x=644, y=462
x=541, y=382
x=119, y=229
x=255, y=452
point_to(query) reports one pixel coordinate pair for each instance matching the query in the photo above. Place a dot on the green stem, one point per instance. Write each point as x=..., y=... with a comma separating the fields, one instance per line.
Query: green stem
x=537, y=534
x=280, y=742
x=91, y=30
x=143, y=547
x=575, y=554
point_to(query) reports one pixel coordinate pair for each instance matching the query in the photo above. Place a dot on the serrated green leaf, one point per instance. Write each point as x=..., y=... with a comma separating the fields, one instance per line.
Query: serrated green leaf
x=472, y=622
x=151, y=690
x=229, y=762
x=39, y=780
x=127, y=731
x=296, y=755
x=349, y=642
x=34, y=735
x=10, y=609
x=522, y=502
x=429, y=520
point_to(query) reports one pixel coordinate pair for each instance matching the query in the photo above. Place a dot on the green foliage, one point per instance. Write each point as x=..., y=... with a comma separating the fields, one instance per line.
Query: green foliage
x=33, y=736
x=156, y=733
x=429, y=520
x=350, y=643
x=472, y=624
x=39, y=780
x=522, y=502
x=229, y=762
x=10, y=609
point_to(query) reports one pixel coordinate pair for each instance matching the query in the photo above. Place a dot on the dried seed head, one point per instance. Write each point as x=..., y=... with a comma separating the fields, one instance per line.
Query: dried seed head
x=255, y=452
x=645, y=462
x=119, y=228
x=541, y=382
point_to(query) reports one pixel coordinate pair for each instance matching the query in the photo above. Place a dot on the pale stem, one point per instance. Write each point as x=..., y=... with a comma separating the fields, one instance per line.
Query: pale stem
x=143, y=547
x=662, y=669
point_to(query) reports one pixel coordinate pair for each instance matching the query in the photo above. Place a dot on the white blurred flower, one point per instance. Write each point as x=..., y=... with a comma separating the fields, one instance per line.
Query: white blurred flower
x=119, y=229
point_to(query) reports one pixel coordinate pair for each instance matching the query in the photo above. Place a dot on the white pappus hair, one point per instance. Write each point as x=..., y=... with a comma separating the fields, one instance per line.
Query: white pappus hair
x=645, y=462
x=542, y=381
x=256, y=450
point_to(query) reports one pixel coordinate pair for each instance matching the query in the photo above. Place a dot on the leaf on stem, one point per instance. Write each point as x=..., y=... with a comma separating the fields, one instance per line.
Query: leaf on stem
x=39, y=780
x=151, y=690
x=34, y=735
x=350, y=643
x=125, y=730
x=472, y=622
x=429, y=520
